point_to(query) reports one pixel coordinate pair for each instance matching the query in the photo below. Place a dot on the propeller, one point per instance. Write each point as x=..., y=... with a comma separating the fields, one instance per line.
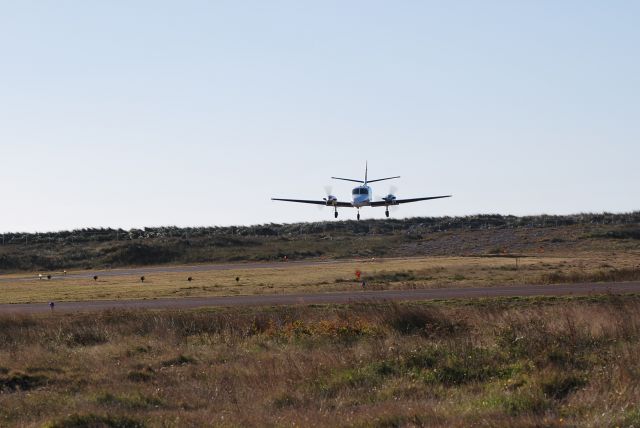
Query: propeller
x=327, y=191
x=391, y=196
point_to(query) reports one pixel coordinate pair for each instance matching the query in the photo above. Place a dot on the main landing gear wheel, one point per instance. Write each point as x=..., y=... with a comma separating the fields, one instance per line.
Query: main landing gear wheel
x=335, y=214
x=358, y=215
x=386, y=213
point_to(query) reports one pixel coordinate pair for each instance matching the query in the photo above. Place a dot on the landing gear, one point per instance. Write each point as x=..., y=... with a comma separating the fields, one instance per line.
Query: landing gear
x=335, y=213
x=358, y=215
x=387, y=212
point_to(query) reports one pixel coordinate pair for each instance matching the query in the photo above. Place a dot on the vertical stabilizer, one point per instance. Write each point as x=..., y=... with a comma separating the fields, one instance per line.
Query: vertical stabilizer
x=366, y=168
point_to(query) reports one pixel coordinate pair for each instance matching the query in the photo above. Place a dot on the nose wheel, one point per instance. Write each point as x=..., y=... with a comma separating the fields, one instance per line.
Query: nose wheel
x=358, y=215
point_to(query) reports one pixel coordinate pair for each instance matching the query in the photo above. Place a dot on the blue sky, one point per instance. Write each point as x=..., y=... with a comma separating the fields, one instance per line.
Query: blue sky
x=145, y=113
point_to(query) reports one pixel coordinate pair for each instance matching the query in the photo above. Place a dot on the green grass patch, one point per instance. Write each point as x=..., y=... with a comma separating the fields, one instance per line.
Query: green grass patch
x=631, y=418
x=526, y=400
x=460, y=366
x=132, y=401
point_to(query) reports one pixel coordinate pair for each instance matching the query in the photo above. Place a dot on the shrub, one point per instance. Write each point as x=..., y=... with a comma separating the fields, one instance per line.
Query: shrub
x=534, y=338
x=135, y=401
x=631, y=418
x=391, y=276
x=18, y=381
x=86, y=336
x=558, y=385
x=285, y=400
x=407, y=319
x=144, y=375
x=143, y=254
x=612, y=275
x=618, y=234
x=467, y=364
x=91, y=420
x=180, y=360
x=528, y=399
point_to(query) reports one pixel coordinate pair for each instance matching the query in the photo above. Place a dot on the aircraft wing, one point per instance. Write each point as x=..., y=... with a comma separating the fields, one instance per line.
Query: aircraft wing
x=305, y=201
x=406, y=201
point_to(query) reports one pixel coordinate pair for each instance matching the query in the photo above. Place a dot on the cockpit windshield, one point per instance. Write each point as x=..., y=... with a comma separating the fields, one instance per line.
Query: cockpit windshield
x=360, y=191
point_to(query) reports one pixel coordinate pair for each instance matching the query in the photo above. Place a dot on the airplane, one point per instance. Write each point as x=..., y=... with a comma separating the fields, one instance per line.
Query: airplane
x=362, y=197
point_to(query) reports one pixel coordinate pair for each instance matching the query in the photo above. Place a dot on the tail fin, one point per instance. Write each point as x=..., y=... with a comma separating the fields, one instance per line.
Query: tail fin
x=366, y=170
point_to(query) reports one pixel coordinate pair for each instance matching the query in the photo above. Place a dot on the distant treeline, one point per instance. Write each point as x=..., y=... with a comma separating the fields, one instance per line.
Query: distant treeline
x=479, y=234
x=415, y=225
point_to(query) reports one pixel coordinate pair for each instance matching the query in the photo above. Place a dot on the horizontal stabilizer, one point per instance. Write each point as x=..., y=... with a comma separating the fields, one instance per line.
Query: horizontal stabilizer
x=382, y=179
x=348, y=179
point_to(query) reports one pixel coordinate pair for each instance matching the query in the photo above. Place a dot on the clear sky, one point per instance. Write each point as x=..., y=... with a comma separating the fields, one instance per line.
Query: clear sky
x=191, y=113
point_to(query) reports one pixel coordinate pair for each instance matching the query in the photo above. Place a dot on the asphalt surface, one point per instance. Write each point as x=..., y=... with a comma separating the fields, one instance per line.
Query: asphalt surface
x=325, y=298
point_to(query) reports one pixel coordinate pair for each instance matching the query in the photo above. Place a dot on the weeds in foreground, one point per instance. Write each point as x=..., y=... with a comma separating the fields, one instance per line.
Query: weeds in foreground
x=565, y=362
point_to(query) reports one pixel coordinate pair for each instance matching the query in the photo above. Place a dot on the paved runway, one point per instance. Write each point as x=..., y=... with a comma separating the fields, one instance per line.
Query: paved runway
x=324, y=298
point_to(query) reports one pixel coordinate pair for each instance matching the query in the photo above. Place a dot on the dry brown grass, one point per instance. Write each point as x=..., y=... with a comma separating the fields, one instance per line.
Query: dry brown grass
x=522, y=362
x=431, y=272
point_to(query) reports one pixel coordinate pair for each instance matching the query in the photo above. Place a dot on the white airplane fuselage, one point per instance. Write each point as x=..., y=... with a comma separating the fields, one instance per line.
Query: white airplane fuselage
x=361, y=196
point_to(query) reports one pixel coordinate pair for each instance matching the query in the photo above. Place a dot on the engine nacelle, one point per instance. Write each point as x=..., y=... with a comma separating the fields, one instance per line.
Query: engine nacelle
x=331, y=200
x=390, y=199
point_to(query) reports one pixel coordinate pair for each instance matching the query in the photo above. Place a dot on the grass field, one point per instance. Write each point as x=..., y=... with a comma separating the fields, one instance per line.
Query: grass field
x=488, y=362
x=421, y=272
x=505, y=362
